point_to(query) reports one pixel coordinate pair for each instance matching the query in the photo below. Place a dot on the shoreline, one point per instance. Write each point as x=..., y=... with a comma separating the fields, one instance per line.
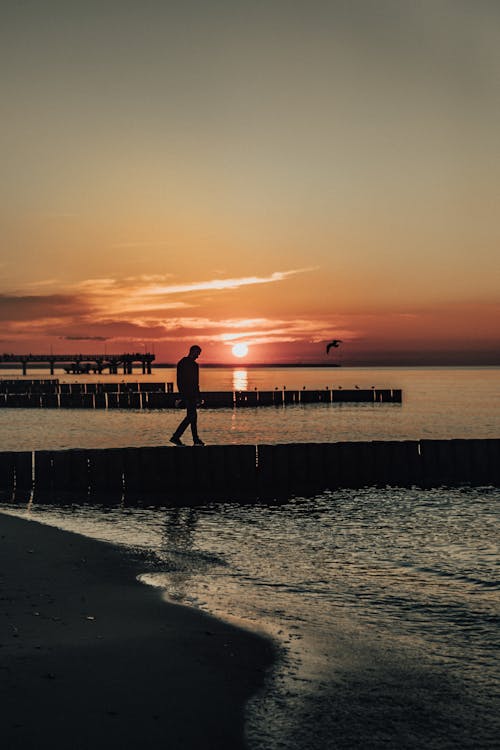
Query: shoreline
x=91, y=657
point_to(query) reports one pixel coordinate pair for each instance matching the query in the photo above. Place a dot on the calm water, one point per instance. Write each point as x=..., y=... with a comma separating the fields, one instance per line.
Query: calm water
x=384, y=603
x=437, y=403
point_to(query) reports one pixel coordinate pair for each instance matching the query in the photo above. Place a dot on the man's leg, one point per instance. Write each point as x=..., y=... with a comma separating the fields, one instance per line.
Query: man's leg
x=192, y=417
x=183, y=425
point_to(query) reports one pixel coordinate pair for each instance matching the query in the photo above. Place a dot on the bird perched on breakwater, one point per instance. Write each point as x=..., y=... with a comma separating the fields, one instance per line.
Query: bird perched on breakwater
x=333, y=343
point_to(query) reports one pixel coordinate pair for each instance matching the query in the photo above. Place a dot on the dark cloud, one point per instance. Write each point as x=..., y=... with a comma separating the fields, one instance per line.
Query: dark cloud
x=33, y=307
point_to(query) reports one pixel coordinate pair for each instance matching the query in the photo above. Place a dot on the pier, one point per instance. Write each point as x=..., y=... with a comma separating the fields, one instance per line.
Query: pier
x=84, y=363
x=169, y=475
x=51, y=394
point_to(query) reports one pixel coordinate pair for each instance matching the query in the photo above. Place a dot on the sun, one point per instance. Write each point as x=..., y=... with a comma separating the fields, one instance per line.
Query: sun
x=240, y=350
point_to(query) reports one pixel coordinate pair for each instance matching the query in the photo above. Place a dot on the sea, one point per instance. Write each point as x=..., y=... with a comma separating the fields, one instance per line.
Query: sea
x=383, y=603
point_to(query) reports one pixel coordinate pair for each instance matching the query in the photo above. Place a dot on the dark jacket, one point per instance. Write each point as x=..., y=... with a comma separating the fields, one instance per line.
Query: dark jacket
x=188, y=377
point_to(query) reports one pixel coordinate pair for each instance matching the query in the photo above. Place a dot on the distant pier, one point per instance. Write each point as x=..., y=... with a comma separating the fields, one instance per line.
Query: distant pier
x=193, y=475
x=51, y=394
x=84, y=363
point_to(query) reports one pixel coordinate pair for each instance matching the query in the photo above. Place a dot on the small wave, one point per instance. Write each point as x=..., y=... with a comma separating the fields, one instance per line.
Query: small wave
x=189, y=561
x=441, y=573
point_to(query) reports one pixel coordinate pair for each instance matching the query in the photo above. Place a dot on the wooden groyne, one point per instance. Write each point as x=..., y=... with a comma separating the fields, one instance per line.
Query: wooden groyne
x=177, y=475
x=50, y=394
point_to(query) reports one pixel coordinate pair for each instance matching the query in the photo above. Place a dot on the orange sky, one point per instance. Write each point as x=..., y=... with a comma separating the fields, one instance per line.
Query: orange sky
x=276, y=175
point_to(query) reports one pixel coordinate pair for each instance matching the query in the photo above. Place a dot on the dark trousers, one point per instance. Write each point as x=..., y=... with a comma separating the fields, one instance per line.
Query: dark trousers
x=191, y=418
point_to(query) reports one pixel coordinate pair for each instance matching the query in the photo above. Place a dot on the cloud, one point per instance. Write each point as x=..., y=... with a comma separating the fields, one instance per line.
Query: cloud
x=148, y=307
x=252, y=330
x=42, y=283
x=220, y=284
x=143, y=295
x=85, y=338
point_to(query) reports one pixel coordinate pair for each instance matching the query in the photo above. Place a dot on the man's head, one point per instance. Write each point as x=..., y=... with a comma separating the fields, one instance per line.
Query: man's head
x=195, y=351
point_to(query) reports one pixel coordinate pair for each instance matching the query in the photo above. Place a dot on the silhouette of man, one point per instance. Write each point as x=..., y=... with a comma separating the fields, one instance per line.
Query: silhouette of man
x=188, y=385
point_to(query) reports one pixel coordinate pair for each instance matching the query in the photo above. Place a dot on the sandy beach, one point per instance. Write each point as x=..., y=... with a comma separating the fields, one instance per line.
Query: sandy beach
x=91, y=658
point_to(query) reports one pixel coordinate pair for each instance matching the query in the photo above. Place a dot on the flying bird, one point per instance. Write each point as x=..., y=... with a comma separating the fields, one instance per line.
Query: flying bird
x=333, y=343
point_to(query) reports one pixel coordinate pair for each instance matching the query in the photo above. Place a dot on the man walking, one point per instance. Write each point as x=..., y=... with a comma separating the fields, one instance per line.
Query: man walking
x=188, y=385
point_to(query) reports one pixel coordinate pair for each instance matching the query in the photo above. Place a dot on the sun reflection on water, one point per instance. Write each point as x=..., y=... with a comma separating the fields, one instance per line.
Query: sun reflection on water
x=240, y=380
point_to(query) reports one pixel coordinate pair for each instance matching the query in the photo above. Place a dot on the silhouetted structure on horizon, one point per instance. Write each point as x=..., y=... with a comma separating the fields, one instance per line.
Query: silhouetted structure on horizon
x=85, y=363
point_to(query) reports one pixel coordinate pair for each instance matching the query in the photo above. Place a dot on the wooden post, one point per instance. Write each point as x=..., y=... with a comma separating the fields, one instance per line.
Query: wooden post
x=462, y=461
x=123, y=400
x=406, y=469
x=277, y=398
x=135, y=400
x=240, y=468
x=100, y=401
x=273, y=470
x=266, y=398
x=493, y=449
x=132, y=470
x=112, y=400
x=184, y=469
x=297, y=459
x=264, y=467
x=7, y=461
x=218, y=469
x=332, y=464
x=245, y=398
x=383, y=395
x=24, y=470
x=316, y=466
x=202, y=463
x=481, y=473
x=105, y=469
x=79, y=469
x=157, y=469
x=214, y=399
x=362, y=457
x=87, y=400
x=43, y=470
x=310, y=397
x=347, y=465
x=342, y=396
x=281, y=468
x=60, y=472
x=152, y=387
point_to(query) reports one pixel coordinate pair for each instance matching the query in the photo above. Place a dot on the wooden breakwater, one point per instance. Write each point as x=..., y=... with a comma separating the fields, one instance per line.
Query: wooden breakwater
x=234, y=471
x=50, y=394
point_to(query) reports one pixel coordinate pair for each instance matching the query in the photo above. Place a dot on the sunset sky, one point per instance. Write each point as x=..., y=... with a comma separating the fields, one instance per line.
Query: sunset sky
x=275, y=173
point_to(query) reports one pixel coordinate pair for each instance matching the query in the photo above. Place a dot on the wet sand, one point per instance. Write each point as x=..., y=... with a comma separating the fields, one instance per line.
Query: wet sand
x=91, y=658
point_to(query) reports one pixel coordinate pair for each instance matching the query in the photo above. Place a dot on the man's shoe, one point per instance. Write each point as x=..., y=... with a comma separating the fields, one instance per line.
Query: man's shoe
x=177, y=441
x=198, y=442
